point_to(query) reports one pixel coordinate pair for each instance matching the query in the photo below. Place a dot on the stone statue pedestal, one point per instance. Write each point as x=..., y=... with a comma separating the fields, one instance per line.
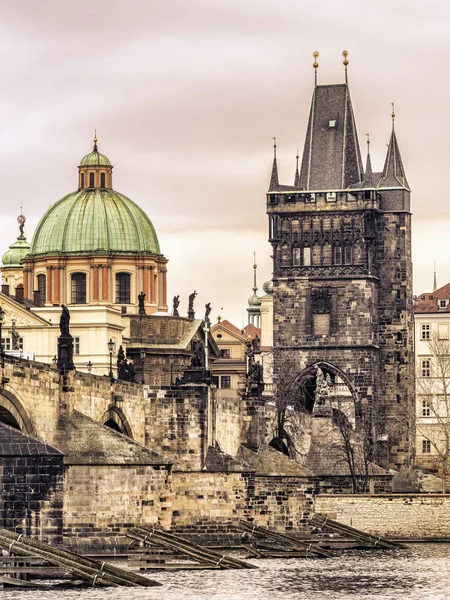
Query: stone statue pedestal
x=65, y=353
x=196, y=375
x=255, y=390
x=322, y=410
x=191, y=314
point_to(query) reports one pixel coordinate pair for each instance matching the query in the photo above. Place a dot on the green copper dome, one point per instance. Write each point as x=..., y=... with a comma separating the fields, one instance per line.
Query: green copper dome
x=16, y=252
x=95, y=158
x=95, y=221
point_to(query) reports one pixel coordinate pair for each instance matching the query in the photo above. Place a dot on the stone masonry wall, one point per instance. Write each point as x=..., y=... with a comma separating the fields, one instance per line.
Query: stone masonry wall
x=281, y=502
x=31, y=496
x=105, y=500
x=424, y=516
x=227, y=421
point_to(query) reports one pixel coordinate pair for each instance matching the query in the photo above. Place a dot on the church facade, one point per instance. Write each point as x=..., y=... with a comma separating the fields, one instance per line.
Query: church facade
x=342, y=284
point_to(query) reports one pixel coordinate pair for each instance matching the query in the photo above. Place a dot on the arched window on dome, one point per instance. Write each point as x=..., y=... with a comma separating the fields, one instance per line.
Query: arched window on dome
x=42, y=288
x=82, y=181
x=79, y=288
x=91, y=180
x=102, y=180
x=123, y=288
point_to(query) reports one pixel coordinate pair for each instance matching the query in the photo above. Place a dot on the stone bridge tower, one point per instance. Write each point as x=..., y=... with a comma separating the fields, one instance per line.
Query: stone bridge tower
x=342, y=287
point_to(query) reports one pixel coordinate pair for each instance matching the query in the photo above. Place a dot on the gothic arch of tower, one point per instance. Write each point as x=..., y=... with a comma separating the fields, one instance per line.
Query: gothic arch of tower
x=13, y=413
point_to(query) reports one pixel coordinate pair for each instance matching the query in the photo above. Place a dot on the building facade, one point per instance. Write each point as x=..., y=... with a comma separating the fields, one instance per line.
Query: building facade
x=432, y=348
x=342, y=271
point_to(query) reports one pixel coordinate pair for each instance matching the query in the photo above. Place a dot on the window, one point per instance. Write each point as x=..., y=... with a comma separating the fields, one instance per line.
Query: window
x=82, y=181
x=348, y=255
x=76, y=345
x=426, y=408
x=443, y=331
x=225, y=382
x=425, y=332
x=42, y=287
x=79, y=288
x=366, y=194
x=296, y=257
x=123, y=288
x=426, y=447
x=91, y=180
x=337, y=255
x=8, y=346
x=102, y=180
x=307, y=256
x=443, y=304
x=225, y=353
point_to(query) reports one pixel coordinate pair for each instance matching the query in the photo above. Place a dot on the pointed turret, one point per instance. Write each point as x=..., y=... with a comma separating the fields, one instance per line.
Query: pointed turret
x=297, y=174
x=368, y=174
x=274, y=183
x=393, y=172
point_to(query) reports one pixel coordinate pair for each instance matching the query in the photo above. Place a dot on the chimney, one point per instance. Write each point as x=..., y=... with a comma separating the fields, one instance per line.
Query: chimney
x=37, y=297
x=19, y=293
x=5, y=289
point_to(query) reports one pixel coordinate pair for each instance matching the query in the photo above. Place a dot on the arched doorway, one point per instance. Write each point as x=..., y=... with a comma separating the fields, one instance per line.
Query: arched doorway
x=12, y=413
x=116, y=420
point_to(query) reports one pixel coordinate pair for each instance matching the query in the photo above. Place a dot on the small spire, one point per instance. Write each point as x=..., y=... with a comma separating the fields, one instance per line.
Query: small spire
x=95, y=140
x=315, y=65
x=393, y=115
x=274, y=184
x=297, y=174
x=393, y=171
x=368, y=175
x=434, y=279
x=255, y=287
x=345, y=63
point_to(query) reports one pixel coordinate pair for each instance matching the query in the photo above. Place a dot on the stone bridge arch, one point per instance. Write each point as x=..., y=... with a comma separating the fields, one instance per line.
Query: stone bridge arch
x=14, y=414
x=115, y=418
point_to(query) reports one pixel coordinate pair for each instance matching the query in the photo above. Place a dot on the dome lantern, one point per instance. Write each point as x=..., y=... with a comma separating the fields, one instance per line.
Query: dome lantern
x=95, y=170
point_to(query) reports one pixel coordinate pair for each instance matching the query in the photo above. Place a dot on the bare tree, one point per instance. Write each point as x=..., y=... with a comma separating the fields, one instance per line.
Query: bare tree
x=433, y=402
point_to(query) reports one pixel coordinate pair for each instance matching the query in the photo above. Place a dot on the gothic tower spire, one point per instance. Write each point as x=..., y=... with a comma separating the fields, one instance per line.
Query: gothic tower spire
x=274, y=184
x=393, y=171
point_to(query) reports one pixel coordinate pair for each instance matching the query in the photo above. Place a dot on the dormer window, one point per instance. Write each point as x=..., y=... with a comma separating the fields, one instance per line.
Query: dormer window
x=443, y=304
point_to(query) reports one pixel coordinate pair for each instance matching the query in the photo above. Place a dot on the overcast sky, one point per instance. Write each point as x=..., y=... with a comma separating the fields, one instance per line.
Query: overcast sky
x=186, y=96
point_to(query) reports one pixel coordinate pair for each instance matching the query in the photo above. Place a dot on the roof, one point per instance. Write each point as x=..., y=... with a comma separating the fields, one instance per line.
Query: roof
x=251, y=331
x=14, y=442
x=393, y=172
x=85, y=441
x=229, y=326
x=429, y=302
x=331, y=140
x=18, y=250
x=95, y=158
x=94, y=220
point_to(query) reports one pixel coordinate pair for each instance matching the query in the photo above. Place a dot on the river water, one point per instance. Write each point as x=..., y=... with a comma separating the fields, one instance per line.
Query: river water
x=420, y=572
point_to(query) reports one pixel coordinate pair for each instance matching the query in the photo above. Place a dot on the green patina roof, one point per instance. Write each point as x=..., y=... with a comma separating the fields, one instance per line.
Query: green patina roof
x=16, y=252
x=94, y=220
x=94, y=158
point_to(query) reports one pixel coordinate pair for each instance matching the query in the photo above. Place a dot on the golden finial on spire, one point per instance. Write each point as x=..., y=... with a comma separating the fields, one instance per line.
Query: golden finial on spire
x=345, y=63
x=368, y=141
x=393, y=110
x=274, y=147
x=315, y=64
x=95, y=140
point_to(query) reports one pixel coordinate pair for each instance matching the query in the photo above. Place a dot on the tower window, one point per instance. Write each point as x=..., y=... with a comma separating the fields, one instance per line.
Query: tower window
x=102, y=180
x=123, y=288
x=79, y=288
x=307, y=256
x=82, y=181
x=348, y=255
x=91, y=180
x=296, y=257
x=338, y=255
x=42, y=287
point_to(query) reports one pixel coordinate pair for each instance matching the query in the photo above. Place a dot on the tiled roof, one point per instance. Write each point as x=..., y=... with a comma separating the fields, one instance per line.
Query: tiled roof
x=252, y=331
x=230, y=326
x=429, y=302
x=14, y=442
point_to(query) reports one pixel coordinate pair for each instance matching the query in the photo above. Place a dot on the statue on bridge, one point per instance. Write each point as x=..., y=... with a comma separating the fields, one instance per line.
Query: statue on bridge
x=15, y=335
x=176, y=304
x=141, y=299
x=65, y=342
x=191, y=313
